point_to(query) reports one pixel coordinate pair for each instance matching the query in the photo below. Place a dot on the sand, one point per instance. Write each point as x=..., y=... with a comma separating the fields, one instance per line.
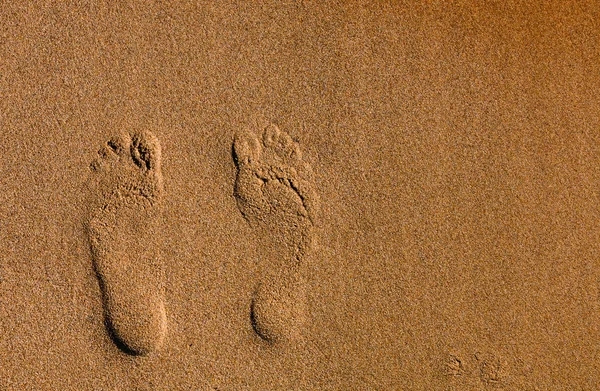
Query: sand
x=299, y=195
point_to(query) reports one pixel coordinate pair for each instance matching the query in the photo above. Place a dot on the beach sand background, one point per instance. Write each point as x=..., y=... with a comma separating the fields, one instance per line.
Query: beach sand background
x=457, y=154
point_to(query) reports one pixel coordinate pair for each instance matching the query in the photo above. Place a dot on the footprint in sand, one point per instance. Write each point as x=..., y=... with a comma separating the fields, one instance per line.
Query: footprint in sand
x=276, y=194
x=126, y=188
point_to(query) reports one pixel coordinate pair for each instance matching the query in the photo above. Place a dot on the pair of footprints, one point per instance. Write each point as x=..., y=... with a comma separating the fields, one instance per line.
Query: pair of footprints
x=275, y=192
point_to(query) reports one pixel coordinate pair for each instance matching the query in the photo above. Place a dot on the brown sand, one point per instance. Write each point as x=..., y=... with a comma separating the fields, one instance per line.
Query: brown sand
x=456, y=153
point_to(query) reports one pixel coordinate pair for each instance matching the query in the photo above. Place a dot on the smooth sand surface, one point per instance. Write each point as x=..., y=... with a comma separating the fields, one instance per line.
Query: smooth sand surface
x=456, y=157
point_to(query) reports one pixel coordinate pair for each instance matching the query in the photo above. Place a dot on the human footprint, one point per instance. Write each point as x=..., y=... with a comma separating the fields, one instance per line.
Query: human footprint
x=275, y=192
x=127, y=191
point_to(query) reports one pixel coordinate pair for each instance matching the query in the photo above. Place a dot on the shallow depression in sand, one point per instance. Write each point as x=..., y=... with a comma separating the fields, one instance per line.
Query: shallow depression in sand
x=128, y=189
x=275, y=192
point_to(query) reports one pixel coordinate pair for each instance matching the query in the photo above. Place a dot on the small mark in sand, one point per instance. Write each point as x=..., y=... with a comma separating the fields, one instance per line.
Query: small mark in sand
x=492, y=369
x=454, y=366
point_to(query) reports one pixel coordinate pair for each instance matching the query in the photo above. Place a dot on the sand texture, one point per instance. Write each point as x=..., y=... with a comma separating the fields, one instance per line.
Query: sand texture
x=300, y=195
